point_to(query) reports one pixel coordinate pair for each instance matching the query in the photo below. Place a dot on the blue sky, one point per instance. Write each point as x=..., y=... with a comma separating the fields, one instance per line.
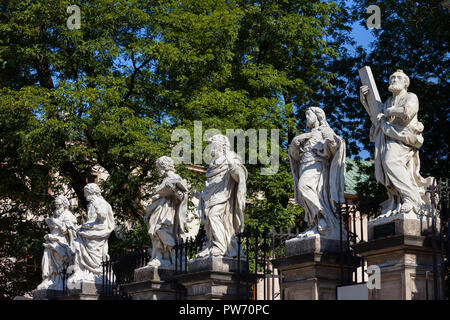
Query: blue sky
x=363, y=37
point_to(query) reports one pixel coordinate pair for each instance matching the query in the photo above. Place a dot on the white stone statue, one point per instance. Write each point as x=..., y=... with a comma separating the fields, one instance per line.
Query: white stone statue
x=91, y=245
x=397, y=134
x=222, y=201
x=317, y=161
x=166, y=214
x=58, y=252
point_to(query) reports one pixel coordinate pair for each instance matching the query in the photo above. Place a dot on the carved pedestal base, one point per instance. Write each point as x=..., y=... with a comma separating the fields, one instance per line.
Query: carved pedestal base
x=44, y=294
x=312, y=268
x=214, y=278
x=84, y=290
x=406, y=267
x=398, y=246
x=151, y=283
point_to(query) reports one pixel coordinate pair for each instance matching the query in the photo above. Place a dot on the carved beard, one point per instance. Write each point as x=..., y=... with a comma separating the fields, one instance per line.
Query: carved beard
x=395, y=87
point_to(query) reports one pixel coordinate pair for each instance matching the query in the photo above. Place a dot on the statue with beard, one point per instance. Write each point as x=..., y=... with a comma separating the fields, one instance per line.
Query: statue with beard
x=397, y=134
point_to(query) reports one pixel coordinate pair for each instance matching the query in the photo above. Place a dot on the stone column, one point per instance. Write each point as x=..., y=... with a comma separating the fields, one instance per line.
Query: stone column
x=399, y=247
x=312, y=268
x=152, y=283
x=214, y=278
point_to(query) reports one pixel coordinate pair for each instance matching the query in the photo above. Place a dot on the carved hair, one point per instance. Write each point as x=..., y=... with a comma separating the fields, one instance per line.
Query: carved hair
x=93, y=188
x=320, y=114
x=166, y=163
x=222, y=141
x=404, y=76
x=65, y=202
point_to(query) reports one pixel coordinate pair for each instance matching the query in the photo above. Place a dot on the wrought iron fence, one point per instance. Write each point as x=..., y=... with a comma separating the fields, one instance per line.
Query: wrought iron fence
x=119, y=270
x=439, y=196
x=261, y=247
x=352, y=220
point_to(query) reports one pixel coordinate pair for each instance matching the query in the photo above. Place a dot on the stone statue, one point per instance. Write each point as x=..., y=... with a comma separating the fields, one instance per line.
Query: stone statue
x=317, y=161
x=397, y=134
x=166, y=215
x=91, y=245
x=222, y=200
x=58, y=252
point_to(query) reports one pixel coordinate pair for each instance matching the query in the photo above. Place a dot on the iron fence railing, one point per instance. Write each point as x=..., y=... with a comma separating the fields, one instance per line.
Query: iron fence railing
x=119, y=270
x=261, y=247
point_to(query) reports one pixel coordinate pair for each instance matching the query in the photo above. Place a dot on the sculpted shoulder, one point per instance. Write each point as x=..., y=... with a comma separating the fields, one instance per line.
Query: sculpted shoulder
x=412, y=98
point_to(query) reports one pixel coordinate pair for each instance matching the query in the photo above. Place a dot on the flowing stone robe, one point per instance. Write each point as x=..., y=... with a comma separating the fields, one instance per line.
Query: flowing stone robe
x=317, y=162
x=397, y=164
x=92, y=242
x=222, y=205
x=166, y=217
x=58, y=252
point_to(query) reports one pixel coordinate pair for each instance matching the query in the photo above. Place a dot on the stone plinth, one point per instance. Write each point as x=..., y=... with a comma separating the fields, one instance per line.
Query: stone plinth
x=299, y=246
x=152, y=283
x=404, y=262
x=400, y=224
x=214, y=278
x=84, y=290
x=312, y=268
x=43, y=294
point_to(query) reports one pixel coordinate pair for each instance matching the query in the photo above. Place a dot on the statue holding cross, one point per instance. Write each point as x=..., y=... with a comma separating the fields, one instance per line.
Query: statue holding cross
x=397, y=134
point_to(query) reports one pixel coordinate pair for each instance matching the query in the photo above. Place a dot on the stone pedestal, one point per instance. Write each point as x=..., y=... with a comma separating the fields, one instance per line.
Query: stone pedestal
x=152, y=283
x=214, y=278
x=312, y=268
x=43, y=294
x=84, y=290
x=399, y=247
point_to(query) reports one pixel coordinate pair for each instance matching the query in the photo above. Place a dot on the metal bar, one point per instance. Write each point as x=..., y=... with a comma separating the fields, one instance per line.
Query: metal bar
x=256, y=263
x=340, y=243
x=441, y=237
x=176, y=256
x=186, y=255
x=281, y=237
x=433, y=242
x=239, y=267
x=103, y=275
x=361, y=220
x=273, y=269
x=248, y=260
x=264, y=259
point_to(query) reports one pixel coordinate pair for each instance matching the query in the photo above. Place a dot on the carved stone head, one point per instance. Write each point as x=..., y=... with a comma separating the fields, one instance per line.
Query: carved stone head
x=165, y=164
x=61, y=203
x=91, y=190
x=315, y=117
x=219, y=145
x=398, y=81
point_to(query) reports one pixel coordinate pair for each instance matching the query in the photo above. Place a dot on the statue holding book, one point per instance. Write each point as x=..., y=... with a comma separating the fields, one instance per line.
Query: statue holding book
x=166, y=214
x=317, y=160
